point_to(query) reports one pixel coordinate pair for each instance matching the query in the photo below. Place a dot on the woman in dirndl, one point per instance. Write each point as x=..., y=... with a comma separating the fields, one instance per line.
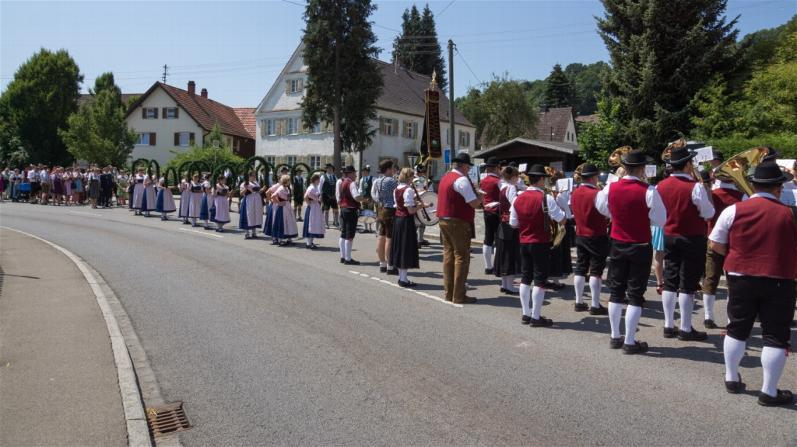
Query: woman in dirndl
x=195, y=199
x=313, y=227
x=507, y=244
x=148, y=200
x=268, y=222
x=657, y=242
x=221, y=204
x=404, y=243
x=138, y=191
x=283, y=226
x=185, y=199
x=165, y=201
x=206, y=203
x=251, y=209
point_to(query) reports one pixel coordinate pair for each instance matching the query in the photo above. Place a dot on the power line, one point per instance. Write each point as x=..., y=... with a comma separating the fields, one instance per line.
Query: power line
x=446, y=7
x=467, y=65
x=294, y=3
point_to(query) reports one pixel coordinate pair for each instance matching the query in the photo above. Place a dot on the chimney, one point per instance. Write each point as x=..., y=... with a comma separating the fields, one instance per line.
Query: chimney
x=191, y=88
x=204, y=93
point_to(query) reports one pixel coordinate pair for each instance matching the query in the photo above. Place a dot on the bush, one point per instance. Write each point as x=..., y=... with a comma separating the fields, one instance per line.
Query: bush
x=212, y=156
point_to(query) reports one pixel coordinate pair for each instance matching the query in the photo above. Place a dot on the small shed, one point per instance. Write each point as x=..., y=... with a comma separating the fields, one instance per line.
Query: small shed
x=524, y=150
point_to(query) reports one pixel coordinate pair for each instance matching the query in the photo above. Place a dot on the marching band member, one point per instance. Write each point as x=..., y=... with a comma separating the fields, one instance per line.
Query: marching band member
x=723, y=195
x=761, y=269
x=404, y=247
x=789, y=194
x=457, y=203
x=530, y=214
x=630, y=253
x=138, y=190
x=195, y=199
x=491, y=185
x=283, y=227
x=313, y=227
x=221, y=204
x=421, y=183
x=328, y=194
x=688, y=205
x=165, y=201
x=561, y=264
x=507, y=242
x=592, y=241
x=185, y=199
x=251, y=212
x=384, y=194
x=206, y=201
x=348, y=197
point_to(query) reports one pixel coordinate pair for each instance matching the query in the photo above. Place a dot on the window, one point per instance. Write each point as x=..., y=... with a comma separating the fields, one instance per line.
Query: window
x=410, y=130
x=149, y=113
x=317, y=127
x=170, y=113
x=464, y=139
x=291, y=160
x=272, y=160
x=146, y=139
x=270, y=128
x=293, y=126
x=387, y=126
x=294, y=86
x=314, y=161
x=184, y=139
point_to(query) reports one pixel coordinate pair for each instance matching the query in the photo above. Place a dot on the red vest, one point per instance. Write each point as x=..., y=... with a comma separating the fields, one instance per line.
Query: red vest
x=589, y=221
x=398, y=195
x=503, y=204
x=346, y=199
x=629, y=209
x=683, y=217
x=490, y=185
x=450, y=203
x=722, y=199
x=531, y=221
x=762, y=240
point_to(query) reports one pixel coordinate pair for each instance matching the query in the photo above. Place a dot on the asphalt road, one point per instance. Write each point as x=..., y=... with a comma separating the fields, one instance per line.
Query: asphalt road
x=274, y=345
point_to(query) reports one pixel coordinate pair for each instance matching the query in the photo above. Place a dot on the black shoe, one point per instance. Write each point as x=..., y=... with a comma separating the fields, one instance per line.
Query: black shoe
x=488, y=271
x=581, y=307
x=406, y=284
x=342, y=261
x=600, y=310
x=616, y=343
x=351, y=262
x=670, y=332
x=382, y=269
x=735, y=387
x=710, y=324
x=185, y=222
x=219, y=230
x=525, y=319
x=693, y=335
x=392, y=272
x=509, y=292
x=639, y=347
x=541, y=322
x=248, y=236
x=784, y=397
x=424, y=243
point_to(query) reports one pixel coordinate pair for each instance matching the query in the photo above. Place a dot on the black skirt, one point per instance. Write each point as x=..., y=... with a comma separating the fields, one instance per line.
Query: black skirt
x=507, y=251
x=404, y=244
x=561, y=262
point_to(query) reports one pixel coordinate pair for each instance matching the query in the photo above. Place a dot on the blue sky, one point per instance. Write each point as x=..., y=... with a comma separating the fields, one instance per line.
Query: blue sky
x=236, y=49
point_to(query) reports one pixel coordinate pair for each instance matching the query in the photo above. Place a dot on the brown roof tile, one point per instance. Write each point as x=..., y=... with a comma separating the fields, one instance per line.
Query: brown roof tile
x=247, y=117
x=554, y=120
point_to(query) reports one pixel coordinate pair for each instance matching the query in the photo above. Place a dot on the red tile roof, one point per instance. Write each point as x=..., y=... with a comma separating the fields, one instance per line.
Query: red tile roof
x=247, y=117
x=554, y=121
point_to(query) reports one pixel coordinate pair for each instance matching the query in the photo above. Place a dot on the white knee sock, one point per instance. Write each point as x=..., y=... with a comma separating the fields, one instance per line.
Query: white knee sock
x=632, y=314
x=708, y=304
x=347, y=244
x=403, y=275
x=525, y=295
x=342, y=246
x=686, y=303
x=773, y=360
x=487, y=253
x=537, y=297
x=578, y=285
x=733, y=350
x=615, y=315
x=254, y=232
x=595, y=289
x=309, y=241
x=668, y=303
x=507, y=282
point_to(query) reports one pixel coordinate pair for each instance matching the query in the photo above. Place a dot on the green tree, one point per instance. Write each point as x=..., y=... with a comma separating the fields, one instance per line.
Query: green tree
x=509, y=113
x=471, y=106
x=98, y=131
x=344, y=80
x=37, y=102
x=662, y=53
x=417, y=47
x=558, y=89
x=586, y=80
x=599, y=139
x=214, y=151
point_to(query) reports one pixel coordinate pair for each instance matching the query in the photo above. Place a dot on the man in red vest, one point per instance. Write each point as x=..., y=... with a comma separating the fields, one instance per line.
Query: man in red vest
x=491, y=185
x=532, y=213
x=688, y=205
x=348, y=196
x=456, y=207
x=723, y=195
x=625, y=202
x=758, y=237
x=592, y=241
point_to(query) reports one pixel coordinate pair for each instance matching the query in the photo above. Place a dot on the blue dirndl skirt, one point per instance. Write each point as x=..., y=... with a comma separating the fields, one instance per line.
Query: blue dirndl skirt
x=267, y=227
x=242, y=223
x=203, y=209
x=144, y=200
x=159, y=202
x=306, y=227
x=658, y=238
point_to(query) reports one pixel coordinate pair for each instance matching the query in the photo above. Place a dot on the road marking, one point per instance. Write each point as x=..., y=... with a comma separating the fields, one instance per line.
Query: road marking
x=201, y=233
x=417, y=292
x=83, y=213
x=136, y=421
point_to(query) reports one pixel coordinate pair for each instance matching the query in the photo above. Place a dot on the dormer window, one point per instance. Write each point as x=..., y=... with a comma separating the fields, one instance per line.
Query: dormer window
x=294, y=85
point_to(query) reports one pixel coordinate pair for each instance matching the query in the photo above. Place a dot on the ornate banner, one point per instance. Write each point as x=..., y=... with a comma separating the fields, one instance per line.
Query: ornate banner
x=430, y=138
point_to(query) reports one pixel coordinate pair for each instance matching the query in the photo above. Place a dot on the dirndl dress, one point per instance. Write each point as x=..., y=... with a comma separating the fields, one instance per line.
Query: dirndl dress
x=221, y=205
x=283, y=224
x=657, y=241
x=204, y=211
x=313, y=215
x=251, y=212
x=58, y=185
x=194, y=200
x=148, y=200
x=185, y=200
x=165, y=202
x=94, y=189
x=138, y=194
x=404, y=243
x=507, y=251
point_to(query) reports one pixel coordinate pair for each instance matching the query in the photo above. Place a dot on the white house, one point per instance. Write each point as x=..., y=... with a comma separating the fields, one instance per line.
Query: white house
x=282, y=137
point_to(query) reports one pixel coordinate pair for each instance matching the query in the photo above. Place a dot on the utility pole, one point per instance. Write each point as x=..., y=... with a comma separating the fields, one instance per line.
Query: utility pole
x=165, y=72
x=451, y=136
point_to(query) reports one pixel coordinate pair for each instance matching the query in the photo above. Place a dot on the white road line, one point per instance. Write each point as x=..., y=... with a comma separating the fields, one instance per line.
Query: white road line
x=201, y=233
x=417, y=292
x=137, y=430
x=83, y=213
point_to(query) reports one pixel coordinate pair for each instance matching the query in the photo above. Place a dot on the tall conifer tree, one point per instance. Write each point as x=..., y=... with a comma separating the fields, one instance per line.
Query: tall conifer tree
x=417, y=48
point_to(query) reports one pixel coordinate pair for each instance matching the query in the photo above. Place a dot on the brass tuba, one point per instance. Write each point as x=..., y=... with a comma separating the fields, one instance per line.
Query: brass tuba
x=666, y=154
x=737, y=168
x=616, y=159
x=577, y=173
x=556, y=229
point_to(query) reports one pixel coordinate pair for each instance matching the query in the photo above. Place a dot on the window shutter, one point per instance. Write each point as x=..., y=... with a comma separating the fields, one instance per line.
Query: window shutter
x=176, y=112
x=262, y=128
x=152, y=138
x=191, y=139
x=144, y=113
x=415, y=130
x=163, y=112
x=287, y=87
x=177, y=138
x=156, y=112
x=301, y=85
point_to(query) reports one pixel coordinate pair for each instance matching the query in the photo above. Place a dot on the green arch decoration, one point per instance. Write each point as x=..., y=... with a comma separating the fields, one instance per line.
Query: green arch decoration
x=157, y=166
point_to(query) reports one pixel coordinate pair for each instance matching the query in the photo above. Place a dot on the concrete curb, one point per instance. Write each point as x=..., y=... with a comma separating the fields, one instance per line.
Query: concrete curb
x=135, y=418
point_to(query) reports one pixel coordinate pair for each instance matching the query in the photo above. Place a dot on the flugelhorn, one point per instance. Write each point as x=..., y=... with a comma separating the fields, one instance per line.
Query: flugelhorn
x=737, y=168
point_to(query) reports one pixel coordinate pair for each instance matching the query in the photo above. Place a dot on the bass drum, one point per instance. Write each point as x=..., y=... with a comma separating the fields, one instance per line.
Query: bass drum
x=427, y=216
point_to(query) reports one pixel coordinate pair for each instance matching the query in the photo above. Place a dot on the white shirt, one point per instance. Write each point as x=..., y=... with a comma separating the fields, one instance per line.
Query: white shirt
x=375, y=188
x=554, y=212
x=700, y=197
x=563, y=200
x=408, y=195
x=511, y=192
x=355, y=191
x=44, y=175
x=463, y=187
x=657, y=213
x=521, y=186
x=789, y=196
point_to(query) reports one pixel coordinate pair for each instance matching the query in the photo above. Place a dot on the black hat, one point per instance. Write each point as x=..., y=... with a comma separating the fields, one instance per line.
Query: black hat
x=772, y=154
x=513, y=164
x=719, y=156
x=705, y=176
x=769, y=173
x=589, y=170
x=537, y=171
x=349, y=169
x=636, y=157
x=420, y=168
x=682, y=155
x=329, y=165
x=491, y=162
x=367, y=168
x=503, y=163
x=462, y=158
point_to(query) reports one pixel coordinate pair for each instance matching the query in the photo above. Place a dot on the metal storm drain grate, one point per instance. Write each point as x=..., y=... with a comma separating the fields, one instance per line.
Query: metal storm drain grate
x=167, y=419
